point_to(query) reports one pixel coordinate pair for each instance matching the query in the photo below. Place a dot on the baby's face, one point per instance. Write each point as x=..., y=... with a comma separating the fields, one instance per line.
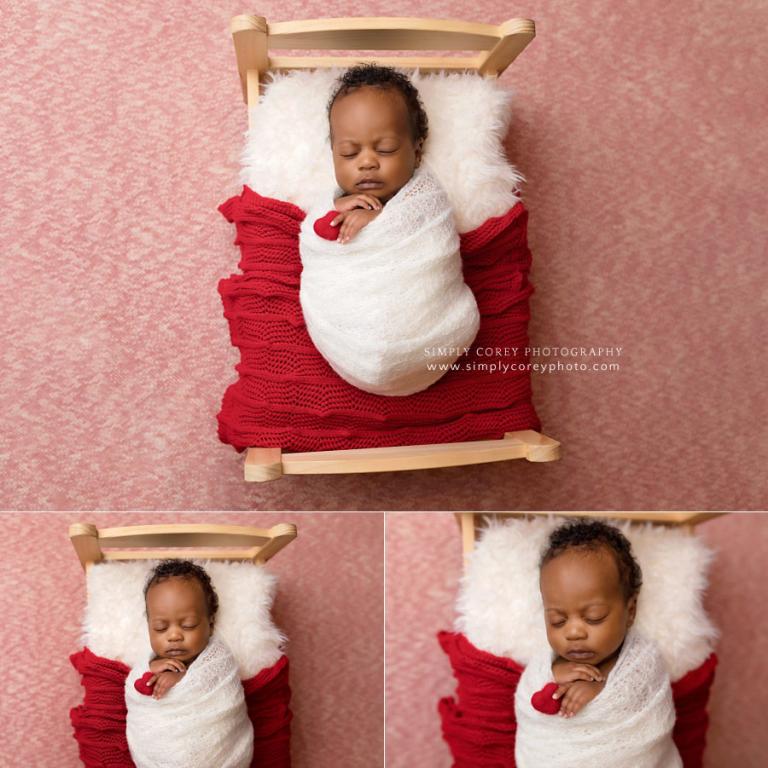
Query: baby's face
x=585, y=611
x=371, y=139
x=177, y=617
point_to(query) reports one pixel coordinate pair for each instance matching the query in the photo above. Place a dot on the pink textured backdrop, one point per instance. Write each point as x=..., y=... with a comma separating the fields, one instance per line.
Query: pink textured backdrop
x=423, y=566
x=639, y=131
x=329, y=603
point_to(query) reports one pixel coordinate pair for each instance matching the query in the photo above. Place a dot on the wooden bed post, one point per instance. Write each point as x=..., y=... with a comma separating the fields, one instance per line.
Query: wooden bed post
x=262, y=464
x=251, y=49
x=516, y=34
x=466, y=521
x=85, y=540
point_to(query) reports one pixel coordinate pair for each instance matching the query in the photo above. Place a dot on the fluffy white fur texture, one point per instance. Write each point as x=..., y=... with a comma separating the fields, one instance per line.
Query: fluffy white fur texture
x=115, y=624
x=287, y=154
x=499, y=604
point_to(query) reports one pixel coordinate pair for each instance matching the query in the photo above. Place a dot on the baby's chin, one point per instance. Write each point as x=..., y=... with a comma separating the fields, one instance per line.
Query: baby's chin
x=378, y=193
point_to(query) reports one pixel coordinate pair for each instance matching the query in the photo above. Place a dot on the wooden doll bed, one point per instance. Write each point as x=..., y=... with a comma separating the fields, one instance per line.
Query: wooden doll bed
x=497, y=47
x=478, y=722
x=99, y=722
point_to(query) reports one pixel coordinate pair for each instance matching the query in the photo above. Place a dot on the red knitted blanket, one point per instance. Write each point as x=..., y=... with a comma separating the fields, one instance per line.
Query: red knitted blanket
x=479, y=725
x=288, y=396
x=99, y=722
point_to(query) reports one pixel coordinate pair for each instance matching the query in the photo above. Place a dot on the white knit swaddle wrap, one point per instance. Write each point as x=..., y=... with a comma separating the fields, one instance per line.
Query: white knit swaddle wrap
x=201, y=722
x=628, y=725
x=391, y=301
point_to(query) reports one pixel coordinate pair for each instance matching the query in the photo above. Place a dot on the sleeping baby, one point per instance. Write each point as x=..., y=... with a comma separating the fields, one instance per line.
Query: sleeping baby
x=601, y=694
x=382, y=289
x=188, y=710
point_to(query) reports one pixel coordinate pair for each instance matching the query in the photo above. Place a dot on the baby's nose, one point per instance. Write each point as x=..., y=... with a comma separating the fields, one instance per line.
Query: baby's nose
x=368, y=161
x=575, y=630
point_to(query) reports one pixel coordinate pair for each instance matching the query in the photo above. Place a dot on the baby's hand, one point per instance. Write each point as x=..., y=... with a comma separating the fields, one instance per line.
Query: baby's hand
x=349, y=202
x=352, y=222
x=163, y=682
x=575, y=696
x=571, y=671
x=171, y=665
x=167, y=672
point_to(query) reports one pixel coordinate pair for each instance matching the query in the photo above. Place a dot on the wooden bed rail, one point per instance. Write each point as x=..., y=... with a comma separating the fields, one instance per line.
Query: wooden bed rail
x=255, y=39
x=469, y=523
x=262, y=464
x=201, y=541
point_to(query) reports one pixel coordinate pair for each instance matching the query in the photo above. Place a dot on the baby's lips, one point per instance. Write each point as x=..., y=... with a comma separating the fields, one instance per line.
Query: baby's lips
x=543, y=702
x=141, y=684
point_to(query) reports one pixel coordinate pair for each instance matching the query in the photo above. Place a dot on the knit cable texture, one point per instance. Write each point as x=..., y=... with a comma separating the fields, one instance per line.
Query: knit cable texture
x=287, y=394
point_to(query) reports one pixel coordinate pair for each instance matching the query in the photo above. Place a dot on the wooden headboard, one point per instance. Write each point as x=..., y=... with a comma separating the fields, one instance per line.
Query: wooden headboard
x=202, y=541
x=255, y=39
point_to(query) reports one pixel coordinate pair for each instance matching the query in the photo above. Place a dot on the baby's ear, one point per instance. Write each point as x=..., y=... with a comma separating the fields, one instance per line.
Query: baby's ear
x=632, y=609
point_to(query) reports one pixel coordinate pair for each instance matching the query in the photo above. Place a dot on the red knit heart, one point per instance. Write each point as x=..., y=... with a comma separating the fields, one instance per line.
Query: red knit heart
x=141, y=684
x=323, y=226
x=542, y=700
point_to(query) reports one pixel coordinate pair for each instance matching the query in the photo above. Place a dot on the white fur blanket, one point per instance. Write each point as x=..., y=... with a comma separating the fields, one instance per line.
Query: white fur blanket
x=201, y=722
x=628, y=725
x=387, y=308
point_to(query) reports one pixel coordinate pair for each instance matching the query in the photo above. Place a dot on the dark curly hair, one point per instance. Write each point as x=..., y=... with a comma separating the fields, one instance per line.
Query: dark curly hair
x=184, y=569
x=386, y=78
x=593, y=535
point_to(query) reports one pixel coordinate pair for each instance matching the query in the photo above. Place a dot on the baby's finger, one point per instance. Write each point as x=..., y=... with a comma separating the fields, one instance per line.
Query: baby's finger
x=374, y=202
x=347, y=232
x=589, y=672
x=368, y=201
x=160, y=689
x=337, y=220
x=566, y=707
x=561, y=689
x=152, y=680
x=575, y=707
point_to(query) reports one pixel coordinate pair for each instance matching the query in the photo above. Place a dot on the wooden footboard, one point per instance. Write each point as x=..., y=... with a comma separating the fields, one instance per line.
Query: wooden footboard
x=262, y=464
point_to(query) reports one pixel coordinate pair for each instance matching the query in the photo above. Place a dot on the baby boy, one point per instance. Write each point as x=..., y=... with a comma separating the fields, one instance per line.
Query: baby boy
x=611, y=683
x=378, y=302
x=188, y=710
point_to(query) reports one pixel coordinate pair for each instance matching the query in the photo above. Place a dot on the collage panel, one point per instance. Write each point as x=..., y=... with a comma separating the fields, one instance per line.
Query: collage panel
x=226, y=307
x=320, y=326
x=467, y=631
x=279, y=673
